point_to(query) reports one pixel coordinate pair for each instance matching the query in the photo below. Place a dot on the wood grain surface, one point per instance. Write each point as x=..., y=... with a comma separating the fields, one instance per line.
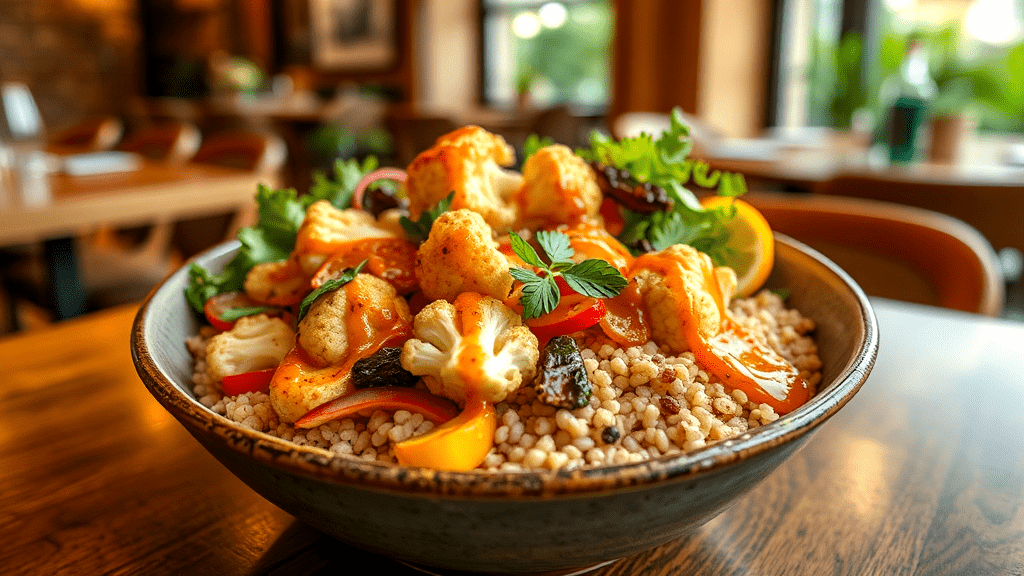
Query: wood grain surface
x=922, y=473
x=157, y=191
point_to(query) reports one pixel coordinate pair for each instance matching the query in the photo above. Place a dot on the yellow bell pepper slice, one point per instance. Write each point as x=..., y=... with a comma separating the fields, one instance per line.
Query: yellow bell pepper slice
x=459, y=444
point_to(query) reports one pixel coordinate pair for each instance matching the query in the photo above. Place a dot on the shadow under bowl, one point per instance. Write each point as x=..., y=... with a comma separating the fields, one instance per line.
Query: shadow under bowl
x=514, y=522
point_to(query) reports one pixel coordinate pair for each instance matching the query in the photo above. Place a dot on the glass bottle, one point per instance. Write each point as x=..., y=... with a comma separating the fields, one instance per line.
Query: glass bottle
x=914, y=92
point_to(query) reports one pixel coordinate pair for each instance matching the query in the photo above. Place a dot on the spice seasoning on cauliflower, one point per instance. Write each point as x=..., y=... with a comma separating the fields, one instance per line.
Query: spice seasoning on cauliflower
x=326, y=230
x=475, y=346
x=469, y=162
x=673, y=299
x=461, y=256
x=340, y=328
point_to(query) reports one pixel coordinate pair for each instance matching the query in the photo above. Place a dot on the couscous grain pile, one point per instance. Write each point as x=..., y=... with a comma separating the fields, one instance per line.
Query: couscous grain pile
x=644, y=404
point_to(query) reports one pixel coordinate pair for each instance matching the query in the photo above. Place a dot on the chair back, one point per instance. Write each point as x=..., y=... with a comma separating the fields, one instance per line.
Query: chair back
x=264, y=153
x=413, y=134
x=175, y=142
x=995, y=210
x=93, y=135
x=261, y=153
x=893, y=251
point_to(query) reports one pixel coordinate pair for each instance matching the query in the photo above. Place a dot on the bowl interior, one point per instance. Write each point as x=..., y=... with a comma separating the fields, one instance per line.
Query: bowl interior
x=846, y=336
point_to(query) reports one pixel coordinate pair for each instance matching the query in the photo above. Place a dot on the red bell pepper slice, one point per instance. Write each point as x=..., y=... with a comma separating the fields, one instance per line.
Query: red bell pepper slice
x=255, y=381
x=574, y=312
x=434, y=408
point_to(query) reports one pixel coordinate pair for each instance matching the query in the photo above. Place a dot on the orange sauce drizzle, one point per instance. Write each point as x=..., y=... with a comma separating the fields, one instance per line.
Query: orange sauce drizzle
x=625, y=318
x=369, y=328
x=391, y=259
x=732, y=355
x=471, y=356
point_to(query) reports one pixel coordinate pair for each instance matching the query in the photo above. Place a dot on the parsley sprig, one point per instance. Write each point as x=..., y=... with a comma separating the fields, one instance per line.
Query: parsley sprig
x=664, y=161
x=592, y=277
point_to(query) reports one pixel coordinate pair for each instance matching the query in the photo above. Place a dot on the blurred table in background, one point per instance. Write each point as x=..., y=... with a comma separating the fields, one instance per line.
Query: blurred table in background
x=155, y=192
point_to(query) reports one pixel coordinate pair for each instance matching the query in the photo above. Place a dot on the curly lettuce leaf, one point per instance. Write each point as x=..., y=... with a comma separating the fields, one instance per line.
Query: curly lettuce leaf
x=665, y=162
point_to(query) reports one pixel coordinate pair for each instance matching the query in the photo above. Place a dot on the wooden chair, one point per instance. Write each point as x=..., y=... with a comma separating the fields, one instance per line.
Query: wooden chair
x=413, y=134
x=894, y=251
x=91, y=135
x=171, y=141
x=995, y=210
x=263, y=153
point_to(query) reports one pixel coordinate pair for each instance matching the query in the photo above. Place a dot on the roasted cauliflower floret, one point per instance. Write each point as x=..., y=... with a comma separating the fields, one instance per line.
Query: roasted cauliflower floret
x=460, y=256
x=468, y=162
x=326, y=230
x=323, y=332
x=318, y=368
x=558, y=188
x=674, y=284
x=254, y=343
x=476, y=344
x=281, y=283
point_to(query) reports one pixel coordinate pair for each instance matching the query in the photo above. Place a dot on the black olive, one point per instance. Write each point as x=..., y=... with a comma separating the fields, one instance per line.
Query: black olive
x=382, y=368
x=562, y=379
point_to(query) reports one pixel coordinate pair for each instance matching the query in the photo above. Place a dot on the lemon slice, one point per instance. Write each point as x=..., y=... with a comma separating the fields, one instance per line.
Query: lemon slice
x=751, y=244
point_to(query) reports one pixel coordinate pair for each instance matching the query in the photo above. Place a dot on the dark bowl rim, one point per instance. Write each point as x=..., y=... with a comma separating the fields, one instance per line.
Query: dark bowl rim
x=319, y=463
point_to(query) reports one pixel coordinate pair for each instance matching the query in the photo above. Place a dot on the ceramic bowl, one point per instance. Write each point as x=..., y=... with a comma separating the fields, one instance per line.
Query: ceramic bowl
x=514, y=522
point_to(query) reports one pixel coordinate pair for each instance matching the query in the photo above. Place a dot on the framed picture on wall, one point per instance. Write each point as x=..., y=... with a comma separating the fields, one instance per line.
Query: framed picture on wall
x=357, y=35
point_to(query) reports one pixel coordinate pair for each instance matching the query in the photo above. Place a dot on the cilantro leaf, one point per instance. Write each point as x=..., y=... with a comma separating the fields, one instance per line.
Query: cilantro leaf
x=595, y=278
x=338, y=191
x=329, y=286
x=523, y=249
x=539, y=297
x=592, y=277
x=555, y=244
x=419, y=230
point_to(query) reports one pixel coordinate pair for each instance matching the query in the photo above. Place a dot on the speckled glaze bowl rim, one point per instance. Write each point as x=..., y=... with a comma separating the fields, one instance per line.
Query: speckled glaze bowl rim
x=321, y=464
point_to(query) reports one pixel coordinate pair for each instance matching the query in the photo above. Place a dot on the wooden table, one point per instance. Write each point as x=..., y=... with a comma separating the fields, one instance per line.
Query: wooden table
x=922, y=473
x=156, y=192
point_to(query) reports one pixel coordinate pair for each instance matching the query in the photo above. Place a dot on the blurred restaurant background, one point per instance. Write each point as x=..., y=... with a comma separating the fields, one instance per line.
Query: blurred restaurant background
x=133, y=133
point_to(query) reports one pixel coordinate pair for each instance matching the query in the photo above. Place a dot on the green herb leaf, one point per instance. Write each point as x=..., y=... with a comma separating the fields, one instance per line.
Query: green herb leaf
x=539, y=297
x=338, y=190
x=232, y=314
x=534, y=143
x=523, y=275
x=595, y=278
x=555, y=244
x=663, y=161
x=592, y=277
x=525, y=252
x=419, y=230
x=347, y=276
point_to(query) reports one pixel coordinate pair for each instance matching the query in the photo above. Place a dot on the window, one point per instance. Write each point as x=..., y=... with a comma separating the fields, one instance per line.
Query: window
x=556, y=52
x=975, y=49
